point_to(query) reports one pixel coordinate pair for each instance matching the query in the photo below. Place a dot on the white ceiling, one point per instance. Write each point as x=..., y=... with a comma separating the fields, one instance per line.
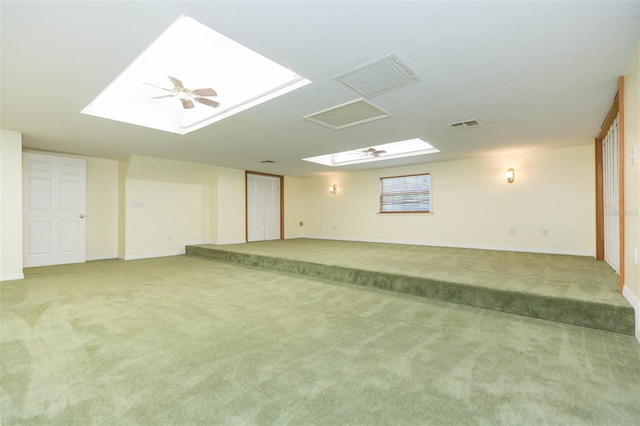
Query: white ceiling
x=536, y=75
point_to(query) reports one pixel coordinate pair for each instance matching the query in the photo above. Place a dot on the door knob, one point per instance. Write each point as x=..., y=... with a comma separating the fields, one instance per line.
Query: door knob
x=81, y=216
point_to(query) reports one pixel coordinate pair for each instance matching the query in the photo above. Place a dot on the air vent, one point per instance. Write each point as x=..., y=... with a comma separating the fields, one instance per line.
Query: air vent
x=463, y=124
x=347, y=115
x=379, y=77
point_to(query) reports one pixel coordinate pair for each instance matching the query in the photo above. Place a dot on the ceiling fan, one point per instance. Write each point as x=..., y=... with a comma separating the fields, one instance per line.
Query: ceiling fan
x=187, y=96
x=372, y=152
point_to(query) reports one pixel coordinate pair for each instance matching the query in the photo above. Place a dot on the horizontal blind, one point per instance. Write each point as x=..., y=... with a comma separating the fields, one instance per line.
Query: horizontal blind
x=405, y=194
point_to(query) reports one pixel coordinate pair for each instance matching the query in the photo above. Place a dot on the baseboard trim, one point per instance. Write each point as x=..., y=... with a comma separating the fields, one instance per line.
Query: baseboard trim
x=456, y=245
x=153, y=255
x=635, y=302
x=222, y=243
x=102, y=257
x=12, y=277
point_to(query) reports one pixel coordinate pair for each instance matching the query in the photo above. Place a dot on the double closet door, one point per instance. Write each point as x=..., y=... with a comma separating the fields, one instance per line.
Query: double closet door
x=264, y=207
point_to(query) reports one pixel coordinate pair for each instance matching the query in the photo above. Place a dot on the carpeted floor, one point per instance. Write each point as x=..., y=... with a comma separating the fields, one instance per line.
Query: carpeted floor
x=553, y=275
x=184, y=341
x=569, y=289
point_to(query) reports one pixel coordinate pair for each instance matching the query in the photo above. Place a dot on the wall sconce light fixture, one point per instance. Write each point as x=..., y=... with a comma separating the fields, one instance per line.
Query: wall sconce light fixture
x=511, y=175
x=333, y=189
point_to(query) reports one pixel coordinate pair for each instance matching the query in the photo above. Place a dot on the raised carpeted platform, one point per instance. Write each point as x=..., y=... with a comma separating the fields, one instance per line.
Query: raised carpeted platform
x=567, y=289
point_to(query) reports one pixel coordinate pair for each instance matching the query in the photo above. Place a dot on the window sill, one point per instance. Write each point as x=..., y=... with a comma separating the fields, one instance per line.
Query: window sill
x=405, y=213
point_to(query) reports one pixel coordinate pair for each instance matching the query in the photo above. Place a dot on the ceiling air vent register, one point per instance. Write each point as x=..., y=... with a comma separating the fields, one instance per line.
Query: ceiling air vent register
x=381, y=76
x=347, y=115
x=463, y=124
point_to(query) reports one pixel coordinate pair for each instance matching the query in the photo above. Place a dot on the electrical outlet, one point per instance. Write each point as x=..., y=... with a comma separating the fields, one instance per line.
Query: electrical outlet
x=545, y=232
x=513, y=231
x=300, y=223
x=169, y=238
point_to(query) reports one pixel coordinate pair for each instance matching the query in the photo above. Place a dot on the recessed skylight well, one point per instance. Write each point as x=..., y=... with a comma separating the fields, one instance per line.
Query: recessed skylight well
x=389, y=151
x=190, y=77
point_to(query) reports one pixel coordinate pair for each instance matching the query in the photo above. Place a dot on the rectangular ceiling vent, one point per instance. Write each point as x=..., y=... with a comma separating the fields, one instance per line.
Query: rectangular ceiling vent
x=379, y=77
x=464, y=124
x=347, y=115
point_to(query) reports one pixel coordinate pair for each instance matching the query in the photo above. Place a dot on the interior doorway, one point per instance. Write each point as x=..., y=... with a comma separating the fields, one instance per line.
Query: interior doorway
x=54, y=201
x=265, y=207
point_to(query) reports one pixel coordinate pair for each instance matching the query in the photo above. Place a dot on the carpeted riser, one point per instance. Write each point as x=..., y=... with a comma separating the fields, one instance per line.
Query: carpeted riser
x=586, y=314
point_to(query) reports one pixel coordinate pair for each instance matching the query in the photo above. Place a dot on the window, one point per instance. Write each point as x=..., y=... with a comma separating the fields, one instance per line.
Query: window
x=405, y=194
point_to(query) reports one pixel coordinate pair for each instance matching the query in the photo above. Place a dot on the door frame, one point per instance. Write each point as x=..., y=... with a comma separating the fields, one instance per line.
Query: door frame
x=617, y=109
x=246, y=202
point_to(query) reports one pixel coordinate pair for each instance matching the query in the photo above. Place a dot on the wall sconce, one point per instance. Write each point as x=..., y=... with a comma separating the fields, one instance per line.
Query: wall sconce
x=511, y=175
x=333, y=189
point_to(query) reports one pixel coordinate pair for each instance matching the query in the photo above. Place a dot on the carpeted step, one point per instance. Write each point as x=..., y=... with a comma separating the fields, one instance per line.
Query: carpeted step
x=601, y=316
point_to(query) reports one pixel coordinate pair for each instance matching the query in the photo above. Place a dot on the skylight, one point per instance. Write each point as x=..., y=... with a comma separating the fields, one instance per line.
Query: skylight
x=212, y=69
x=368, y=154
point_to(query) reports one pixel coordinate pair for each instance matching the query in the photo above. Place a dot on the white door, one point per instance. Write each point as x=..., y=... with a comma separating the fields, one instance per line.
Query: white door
x=263, y=207
x=54, y=209
x=611, y=196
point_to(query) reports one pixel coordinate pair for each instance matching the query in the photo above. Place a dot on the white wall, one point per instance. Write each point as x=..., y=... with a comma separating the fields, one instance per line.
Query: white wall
x=123, y=169
x=632, y=183
x=473, y=204
x=10, y=205
x=165, y=205
x=102, y=209
x=293, y=208
x=231, y=206
x=161, y=217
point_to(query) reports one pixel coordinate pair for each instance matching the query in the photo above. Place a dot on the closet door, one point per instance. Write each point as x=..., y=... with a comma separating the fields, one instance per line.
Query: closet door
x=263, y=207
x=611, y=196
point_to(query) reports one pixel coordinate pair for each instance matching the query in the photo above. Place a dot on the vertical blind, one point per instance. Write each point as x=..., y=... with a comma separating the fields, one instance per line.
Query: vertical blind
x=611, y=195
x=402, y=194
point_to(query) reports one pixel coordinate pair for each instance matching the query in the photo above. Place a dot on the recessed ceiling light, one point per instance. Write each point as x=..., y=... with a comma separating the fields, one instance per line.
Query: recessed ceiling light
x=190, y=77
x=386, y=151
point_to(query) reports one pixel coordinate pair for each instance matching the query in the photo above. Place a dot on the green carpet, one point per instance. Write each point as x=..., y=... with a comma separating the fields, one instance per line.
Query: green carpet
x=569, y=289
x=190, y=341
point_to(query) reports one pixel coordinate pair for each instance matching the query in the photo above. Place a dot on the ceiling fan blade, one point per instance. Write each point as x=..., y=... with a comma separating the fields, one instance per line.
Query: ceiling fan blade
x=176, y=82
x=186, y=103
x=157, y=87
x=208, y=102
x=163, y=96
x=206, y=92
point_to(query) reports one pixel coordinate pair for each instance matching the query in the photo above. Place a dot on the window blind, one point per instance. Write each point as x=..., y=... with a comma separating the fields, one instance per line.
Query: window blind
x=405, y=194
